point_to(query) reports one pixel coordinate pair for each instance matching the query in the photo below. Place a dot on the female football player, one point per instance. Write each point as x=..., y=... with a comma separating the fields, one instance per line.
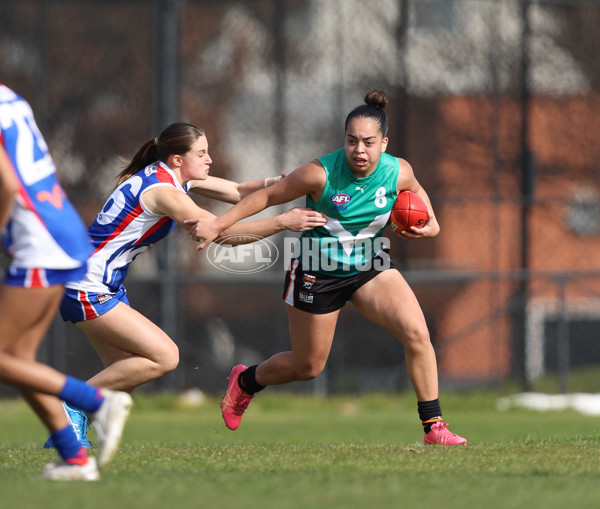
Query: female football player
x=355, y=187
x=150, y=198
x=48, y=246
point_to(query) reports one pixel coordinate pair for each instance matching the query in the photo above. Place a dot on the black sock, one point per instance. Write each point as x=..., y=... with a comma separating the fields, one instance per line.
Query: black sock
x=247, y=381
x=429, y=412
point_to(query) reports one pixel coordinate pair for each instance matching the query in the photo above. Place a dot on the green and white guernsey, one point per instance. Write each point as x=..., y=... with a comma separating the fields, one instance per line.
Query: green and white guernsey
x=358, y=210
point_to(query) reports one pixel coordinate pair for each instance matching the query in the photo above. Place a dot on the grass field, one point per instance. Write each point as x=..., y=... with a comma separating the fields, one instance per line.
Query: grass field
x=303, y=452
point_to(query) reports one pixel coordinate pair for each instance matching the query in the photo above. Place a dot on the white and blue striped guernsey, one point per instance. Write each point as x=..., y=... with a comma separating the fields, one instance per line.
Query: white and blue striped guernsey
x=44, y=231
x=125, y=228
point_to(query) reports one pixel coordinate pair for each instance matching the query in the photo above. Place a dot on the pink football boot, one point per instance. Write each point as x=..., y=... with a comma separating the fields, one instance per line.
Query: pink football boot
x=235, y=400
x=440, y=435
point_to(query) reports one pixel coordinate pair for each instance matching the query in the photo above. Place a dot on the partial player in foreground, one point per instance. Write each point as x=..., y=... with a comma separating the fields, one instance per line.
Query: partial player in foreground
x=149, y=200
x=355, y=187
x=48, y=246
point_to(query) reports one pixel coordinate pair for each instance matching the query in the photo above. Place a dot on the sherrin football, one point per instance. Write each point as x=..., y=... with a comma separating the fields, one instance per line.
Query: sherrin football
x=408, y=210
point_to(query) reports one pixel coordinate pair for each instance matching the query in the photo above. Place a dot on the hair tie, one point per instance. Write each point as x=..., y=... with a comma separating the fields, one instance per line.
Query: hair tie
x=156, y=142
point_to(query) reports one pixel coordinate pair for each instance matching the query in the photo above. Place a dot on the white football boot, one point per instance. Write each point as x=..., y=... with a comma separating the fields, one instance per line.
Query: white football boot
x=61, y=471
x=108, y=423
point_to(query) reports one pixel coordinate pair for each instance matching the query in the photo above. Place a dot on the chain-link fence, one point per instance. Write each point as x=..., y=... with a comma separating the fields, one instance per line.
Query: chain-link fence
x=495, y=104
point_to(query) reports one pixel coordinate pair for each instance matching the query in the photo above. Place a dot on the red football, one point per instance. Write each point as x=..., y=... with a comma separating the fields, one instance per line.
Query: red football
x=408, y=210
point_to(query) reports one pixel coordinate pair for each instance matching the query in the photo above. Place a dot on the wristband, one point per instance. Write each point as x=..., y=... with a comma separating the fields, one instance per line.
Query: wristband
x=273, y=180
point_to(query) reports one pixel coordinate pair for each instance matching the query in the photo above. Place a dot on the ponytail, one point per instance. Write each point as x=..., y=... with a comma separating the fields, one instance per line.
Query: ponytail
x=176, y=139
x=147, y=154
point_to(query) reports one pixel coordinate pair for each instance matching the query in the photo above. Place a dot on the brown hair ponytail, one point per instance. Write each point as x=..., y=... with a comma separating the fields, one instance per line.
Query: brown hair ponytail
x=177, y=138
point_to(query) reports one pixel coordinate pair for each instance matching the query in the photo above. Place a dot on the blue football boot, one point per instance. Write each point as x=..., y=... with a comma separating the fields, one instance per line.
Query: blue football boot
x=79, y=420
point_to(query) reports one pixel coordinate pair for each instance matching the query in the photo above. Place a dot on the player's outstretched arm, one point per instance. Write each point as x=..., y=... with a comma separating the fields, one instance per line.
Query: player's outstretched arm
x=308, y=179
x=171, y=202
x=227, y=190
x=177, y=205
x=298, y=219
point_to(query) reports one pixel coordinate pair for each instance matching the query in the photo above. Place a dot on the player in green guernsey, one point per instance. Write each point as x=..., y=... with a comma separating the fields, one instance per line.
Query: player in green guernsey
x=355, y=188
x=357, y=208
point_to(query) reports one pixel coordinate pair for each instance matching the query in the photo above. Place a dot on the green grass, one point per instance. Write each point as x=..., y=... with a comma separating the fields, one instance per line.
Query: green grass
x=584, y=379
x=303, y=452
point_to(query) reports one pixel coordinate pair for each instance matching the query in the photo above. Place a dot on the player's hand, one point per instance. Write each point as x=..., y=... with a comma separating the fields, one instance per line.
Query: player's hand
x=301, y=219
x=431, y=229
x=202, y=230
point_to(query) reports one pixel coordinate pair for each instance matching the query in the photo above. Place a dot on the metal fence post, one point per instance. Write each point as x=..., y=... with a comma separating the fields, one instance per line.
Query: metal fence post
x=562, y=339
x=166, y=83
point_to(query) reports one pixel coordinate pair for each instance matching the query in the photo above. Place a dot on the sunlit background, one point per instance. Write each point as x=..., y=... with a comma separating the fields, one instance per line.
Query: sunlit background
x=496, y=104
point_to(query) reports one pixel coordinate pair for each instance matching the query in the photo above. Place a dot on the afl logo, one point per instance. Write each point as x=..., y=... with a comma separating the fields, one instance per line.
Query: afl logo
x=340, y=199
x=261, y=254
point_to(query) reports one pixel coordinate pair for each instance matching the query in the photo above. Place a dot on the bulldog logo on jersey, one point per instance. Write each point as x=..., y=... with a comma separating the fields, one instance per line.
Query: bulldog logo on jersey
x=149, y=170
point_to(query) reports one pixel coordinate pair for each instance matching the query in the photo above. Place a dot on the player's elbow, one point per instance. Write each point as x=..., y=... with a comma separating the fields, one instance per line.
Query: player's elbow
x=236, y=196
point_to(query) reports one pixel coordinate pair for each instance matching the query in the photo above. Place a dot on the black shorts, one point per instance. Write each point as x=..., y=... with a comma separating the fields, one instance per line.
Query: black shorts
x=318, y=293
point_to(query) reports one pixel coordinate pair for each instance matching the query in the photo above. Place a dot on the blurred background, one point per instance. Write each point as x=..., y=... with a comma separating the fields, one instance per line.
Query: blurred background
x=496, y=104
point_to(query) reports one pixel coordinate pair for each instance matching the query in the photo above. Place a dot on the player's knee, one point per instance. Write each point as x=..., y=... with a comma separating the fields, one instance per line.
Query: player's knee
x=165, y=361
x=309, y=370
x=417, y=339
x=171, y=359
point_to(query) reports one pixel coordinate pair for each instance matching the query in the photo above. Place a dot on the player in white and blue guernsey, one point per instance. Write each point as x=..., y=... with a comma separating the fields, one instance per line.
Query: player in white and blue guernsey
x=149, y=200
x=48, y=246
x=344, y=260
x=122, y=230
x=45, y=237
